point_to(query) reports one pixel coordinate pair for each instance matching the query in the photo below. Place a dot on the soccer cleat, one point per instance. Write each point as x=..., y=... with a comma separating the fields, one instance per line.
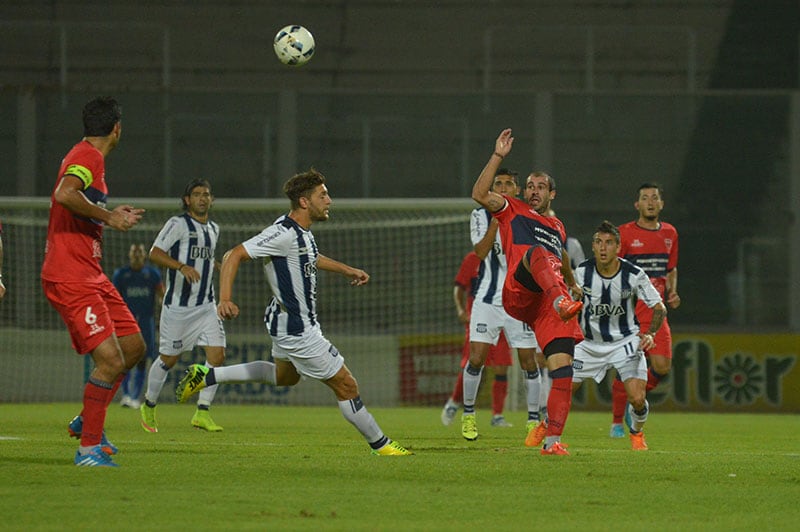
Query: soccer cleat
x=556, y=448
x=616, y=431
x=193, y=381
x=96, y=457
x=536, y=434
x=499, y=421
x=637, y=441
x=469, y=427
x=567, y=308
x=392, y=449
x=202, y=420
x=149, y=418
x=130, y=402
x=75, y=429
x=449, y=412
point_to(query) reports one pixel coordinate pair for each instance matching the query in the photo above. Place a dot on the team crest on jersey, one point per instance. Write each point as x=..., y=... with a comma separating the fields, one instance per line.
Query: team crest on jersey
x=637, y=243
x=97, y=249
x=668, y=243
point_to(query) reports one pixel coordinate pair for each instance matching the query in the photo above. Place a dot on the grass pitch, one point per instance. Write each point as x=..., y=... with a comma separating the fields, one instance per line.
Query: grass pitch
x=302, y=468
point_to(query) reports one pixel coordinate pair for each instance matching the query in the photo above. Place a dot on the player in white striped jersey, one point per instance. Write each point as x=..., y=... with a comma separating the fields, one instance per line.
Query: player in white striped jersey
x=185, y=246
x=489, y=318
x=611, y=287
x=291, y=260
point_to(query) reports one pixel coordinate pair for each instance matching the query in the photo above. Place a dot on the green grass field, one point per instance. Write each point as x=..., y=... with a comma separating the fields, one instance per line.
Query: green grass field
x=300, y=468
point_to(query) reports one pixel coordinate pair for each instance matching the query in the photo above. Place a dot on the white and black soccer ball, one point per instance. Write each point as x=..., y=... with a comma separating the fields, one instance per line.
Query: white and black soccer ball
x=294, y=45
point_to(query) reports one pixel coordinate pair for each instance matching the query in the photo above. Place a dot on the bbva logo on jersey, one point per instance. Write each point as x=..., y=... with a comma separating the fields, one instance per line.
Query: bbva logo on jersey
x=604, y=309
x=199, y=252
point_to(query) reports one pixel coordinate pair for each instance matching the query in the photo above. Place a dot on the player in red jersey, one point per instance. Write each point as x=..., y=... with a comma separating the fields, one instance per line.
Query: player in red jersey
x=653, y=246
x=499, y=358
x=535, y=290
x=98, y=320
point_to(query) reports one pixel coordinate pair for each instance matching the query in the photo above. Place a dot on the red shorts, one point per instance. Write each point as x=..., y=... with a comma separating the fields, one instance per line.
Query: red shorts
x=499, y=355
x=92, y=312
x=537, y=311
x=663, y=337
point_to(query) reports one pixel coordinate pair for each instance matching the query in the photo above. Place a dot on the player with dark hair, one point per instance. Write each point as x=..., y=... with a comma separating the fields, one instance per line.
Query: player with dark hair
x=653, y=246
x=489, y=318
x=186, y=246
x=140, y=286
x=98, y=319
x=612, y=337
x=298, y=346
x=535, y=290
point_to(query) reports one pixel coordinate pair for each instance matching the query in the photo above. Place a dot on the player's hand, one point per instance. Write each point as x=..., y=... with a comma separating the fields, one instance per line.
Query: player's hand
x=124, y=217
x=2, y=289
x=646, y=341
x=502, y=146
x=463, y=316
x=673, y=300
x=358, y=277
x=190, y=274
x=227, y=310
x=576, y=291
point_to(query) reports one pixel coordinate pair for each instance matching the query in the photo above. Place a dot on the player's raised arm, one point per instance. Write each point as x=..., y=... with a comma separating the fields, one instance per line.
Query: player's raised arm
x=482, y=190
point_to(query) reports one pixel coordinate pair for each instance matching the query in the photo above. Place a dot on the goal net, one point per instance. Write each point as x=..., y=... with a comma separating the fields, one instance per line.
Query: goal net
x=398, y=334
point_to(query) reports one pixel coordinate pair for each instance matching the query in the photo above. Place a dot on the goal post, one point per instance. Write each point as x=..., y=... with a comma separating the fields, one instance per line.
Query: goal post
x=398, y=334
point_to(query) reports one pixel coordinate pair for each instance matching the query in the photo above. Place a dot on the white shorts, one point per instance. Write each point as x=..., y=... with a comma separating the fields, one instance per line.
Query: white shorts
x=487, y=320
x=182, y=328
x=311, y=354
x=593, y=359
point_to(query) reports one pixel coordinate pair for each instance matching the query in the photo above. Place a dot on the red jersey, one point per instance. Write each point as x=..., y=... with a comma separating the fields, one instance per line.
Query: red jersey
x=467, y=276
x=653, y=250
x=522, y=227
x=74, y=244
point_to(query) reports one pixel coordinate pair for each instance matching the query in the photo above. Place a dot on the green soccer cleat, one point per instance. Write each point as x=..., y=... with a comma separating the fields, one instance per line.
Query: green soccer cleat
x=469, y=427
x=202, y=420
x=193, y=381
x=392, y=449
x=148, y=418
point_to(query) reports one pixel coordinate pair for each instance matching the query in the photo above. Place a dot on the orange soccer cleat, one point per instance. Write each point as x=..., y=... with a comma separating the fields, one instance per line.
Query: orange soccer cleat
x=637, y=441
x=567, y=308
x=536, y=434
x=556, y=448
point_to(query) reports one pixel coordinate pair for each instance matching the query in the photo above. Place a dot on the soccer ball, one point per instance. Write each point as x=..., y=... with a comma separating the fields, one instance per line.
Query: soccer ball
x=294, y=45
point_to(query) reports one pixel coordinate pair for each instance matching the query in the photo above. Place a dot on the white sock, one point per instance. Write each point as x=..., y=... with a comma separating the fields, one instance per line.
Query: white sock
x=544, y=390
x=636, y=420
x=471, y=384
x=533, y=386
x=356, y=413
x=207, y=394
x=155, y=380
x=256, y=371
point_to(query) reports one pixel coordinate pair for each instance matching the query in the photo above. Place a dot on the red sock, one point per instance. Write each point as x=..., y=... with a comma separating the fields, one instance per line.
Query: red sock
x=558, y=404
x=618, y=401
x=499, y=392
x=653, y=379
x=543, y=273
x=95, y=404
x=458, y=390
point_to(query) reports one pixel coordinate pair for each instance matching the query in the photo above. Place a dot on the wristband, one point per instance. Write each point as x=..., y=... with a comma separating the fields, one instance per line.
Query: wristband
x=497, y=154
